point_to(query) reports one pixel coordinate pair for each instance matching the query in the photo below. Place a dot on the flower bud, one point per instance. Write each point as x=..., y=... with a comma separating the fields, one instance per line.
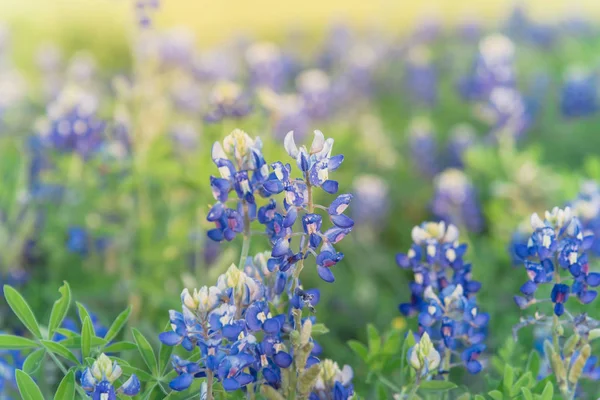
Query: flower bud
x=423, y=356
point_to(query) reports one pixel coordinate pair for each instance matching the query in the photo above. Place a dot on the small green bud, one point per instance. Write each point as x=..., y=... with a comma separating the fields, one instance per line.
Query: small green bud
x=270, y=393
x=307, y=379
x=305, y=334
x=579, y=364
x=570, y=344
x=423, y=356
x=295, y=338
x=594, y=334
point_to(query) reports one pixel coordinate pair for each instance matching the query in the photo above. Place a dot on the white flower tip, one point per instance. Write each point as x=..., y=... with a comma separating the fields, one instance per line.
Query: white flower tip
x=536, y=221
x=217, y=151
x=451, y=234
x=290, y=145
x=318, y=142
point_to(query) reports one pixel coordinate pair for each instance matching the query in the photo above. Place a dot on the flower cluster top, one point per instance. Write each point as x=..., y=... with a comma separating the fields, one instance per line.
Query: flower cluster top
x=443, y=294
x=556, y=255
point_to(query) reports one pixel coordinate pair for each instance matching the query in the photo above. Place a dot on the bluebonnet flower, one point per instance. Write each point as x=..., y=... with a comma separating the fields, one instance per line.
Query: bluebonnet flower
x=314, y=88
x=462, y=138
x=455, y=200
x=266, y=65
x=333, y=383
x=371, y=200
x=443, y=294
x=227, y=100
x=557, y=244
x=423, y=147
x=71, y=123
x=493, y=67
x=586, y=207
x=98, y=380
x=423, y=357
x=579, y=94
x=315, y=164
x=243, y=170
x=420, y=76
x=287, y=113
x=508, y=112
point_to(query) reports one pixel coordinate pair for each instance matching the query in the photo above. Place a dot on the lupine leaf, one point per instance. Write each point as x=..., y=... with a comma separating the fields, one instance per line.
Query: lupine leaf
x=526, y=394
x=319, y=329
x=524, y=381
x=164, y=354
x=33, y=361
x=140, y=373
x=27, y=387
x=359, y=348
x=66, y=389
x=496, y=395
x=75, y=342
x=83, y=313
x=120, y=346
x=59, y=309
x=508, y=379
x=373, y=339
x=145, y=350
x=22, y=310
x=438, y=386
x=533, y=363
x=12, y=342
x=60, y=349
x=118, y=324
x=87, y=333
x=548, y=392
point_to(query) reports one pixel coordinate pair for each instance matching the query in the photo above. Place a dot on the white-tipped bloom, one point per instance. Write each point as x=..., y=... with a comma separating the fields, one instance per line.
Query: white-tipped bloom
x=536, y=221
x=105, y=369
x=317, y=143
x=290, y=145
x=423, y=356
x=434, y=231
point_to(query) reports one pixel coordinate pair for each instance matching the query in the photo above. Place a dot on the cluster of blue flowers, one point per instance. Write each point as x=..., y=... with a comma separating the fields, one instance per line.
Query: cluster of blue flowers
x=443, y=295
x=241, y=336
x=246, y=333
x=556, y=255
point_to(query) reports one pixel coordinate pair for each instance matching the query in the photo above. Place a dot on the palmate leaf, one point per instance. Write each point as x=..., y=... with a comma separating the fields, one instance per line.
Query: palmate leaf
x=87, y=333
x=22, y=310
x=118, y=324
x=34, y=361
x=61, y=350
x=27, y=387
x=59, y=309
x=145, y=350
x=66, y=389
x=12, y=342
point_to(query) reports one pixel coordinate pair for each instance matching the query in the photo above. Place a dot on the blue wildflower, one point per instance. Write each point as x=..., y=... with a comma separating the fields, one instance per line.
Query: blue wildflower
x=98, y=380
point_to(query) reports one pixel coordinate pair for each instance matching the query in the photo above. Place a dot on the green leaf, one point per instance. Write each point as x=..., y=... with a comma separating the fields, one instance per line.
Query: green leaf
x=12, y=342
x=392, y=342
x=359, y=348
x=373, y=339
x=87, y=333
x=83, y=312
x=27, y=387
x=59, y=309
x=145, y=350
x=524, y=381
x=61, y=350
x=464, y=396
x=119, y=323
x=119, y=347
x=381, y=392
x=526, y=394
x=534, y=363
x=140, y=373
x=66, y=333
x=22, y=310
x=75, y=342
x=439, y=386
x=270, y=393
x=34, y=361
x=509, y=376
x=319, y=329
x=164, y=354
x=478, y=397
x=66, y=389
x=496, y=395
x=548, y=392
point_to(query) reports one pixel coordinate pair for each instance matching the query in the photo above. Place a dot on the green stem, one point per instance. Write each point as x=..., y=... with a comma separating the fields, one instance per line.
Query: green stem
x=65, y=371
x=413, y=392
x=247, y=237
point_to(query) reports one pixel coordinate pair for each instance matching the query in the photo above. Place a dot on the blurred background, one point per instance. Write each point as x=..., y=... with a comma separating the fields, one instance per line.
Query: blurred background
x=476, y=113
